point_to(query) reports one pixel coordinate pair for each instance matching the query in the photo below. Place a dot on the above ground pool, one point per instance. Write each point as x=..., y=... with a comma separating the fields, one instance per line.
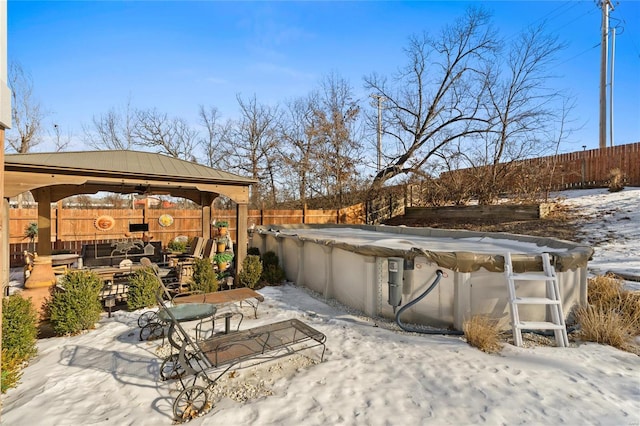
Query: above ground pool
x=351, y=263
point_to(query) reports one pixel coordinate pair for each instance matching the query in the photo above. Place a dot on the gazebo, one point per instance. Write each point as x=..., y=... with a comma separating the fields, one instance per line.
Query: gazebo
x=54, y=176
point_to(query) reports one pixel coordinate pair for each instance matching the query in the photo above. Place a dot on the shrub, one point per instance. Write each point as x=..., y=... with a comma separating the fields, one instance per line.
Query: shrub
x=19, y=333
x=75, y=307
x=273, y=274
x=600, y=326
x=11, y=371
x=143, y=286
x=271, y=270
x=19, y=326
x=270, y=258
x=613, y=314
x=615, y=180
x=204, y=277
x=253, y=251
x=251, y=271
x=483, y=333
x=177, y=246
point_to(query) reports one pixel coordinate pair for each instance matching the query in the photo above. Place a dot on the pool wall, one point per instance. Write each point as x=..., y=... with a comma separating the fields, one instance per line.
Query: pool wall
x=474, y=283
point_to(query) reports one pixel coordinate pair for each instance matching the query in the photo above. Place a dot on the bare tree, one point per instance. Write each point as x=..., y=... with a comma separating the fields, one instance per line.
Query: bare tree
x=337, y=151
x=170, y=136
x=298, y=133
x=26, y=112
x=254, y=147
x=216, y=137
x=113, y=130
x=60, y=141
x=521, y=110
x=116, y=201
x=435, y=98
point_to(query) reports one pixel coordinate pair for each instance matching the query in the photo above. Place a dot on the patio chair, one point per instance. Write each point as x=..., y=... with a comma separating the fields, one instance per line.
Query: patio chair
x=195, y=251
x=209, y=249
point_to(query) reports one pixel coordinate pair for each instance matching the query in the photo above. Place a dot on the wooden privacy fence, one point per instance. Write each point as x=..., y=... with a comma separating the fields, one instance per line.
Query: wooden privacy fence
x=71, y=228
x=583, y=169
x=592, y=168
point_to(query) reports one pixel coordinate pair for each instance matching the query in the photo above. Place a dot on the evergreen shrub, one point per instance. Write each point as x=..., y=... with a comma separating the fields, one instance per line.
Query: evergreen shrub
x=177, y=246
x=251, y=271
x=271, y=270
x=204, y=278
x=75, y=306
x=19, y=334
x=143, y=286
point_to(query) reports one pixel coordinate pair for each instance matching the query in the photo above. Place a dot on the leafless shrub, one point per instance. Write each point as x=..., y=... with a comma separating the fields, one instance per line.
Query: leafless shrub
x=616, y=180
x=613, y=315
x=483, y=333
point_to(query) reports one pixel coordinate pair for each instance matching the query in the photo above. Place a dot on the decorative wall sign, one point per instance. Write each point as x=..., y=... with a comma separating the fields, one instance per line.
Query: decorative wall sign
x=165, y=220
x=104, y=223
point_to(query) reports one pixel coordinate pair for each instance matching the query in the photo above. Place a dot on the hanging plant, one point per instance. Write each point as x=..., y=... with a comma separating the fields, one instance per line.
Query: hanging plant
x=222, y=226
x=223, y=260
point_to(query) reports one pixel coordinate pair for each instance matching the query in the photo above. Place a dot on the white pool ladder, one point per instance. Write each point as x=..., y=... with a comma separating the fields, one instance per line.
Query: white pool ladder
x=552, y=300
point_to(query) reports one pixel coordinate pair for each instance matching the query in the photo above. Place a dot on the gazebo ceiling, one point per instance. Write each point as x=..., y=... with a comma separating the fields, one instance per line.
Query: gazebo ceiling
x=121, y=171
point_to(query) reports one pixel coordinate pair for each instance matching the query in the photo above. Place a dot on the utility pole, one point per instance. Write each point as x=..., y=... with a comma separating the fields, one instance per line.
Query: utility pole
x=380, y=99
x=613, y=58
x=604, y=54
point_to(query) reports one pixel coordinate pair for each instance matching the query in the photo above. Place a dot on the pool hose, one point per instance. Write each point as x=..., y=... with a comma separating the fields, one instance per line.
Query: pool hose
x=433, y=285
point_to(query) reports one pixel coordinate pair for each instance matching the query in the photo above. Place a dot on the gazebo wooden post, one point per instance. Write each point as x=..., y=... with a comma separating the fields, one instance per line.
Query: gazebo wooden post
x=42, y=274
x=242, y=216
x=43, y=197
x=206, y=200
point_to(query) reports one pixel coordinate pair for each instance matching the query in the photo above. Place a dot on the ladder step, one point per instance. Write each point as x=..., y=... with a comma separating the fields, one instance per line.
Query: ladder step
x=552, y=298
x=539, y=325
x=531, y=277
x=535, y=301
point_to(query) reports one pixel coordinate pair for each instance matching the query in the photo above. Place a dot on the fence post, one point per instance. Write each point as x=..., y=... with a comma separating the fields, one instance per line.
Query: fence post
x=366, y=212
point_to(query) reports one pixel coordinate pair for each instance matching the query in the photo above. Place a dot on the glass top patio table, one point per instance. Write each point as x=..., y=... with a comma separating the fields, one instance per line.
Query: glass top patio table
x=189, y=312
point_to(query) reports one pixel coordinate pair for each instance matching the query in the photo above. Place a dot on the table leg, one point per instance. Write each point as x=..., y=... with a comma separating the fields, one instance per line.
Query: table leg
x=227, y=324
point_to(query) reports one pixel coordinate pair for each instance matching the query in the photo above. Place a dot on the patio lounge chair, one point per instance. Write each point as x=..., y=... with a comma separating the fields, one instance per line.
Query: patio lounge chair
x=200, y=363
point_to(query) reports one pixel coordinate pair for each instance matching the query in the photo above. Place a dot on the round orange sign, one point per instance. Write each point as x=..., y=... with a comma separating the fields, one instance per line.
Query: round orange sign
x=104, y=223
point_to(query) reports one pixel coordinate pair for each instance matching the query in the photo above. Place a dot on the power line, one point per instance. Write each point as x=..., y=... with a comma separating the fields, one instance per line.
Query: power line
x=589, y=12
x=621, y=11
x=580, y=54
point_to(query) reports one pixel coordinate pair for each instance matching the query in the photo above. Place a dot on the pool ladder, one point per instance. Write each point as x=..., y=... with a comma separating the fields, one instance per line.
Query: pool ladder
x=552, y=299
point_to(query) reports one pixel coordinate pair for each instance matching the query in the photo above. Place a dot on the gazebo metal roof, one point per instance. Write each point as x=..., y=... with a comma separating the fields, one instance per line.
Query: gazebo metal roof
x=53, y=176
x=123, y=171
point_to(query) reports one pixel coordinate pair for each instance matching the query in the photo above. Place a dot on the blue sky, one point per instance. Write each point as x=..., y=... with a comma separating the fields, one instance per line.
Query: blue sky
x=86, y=57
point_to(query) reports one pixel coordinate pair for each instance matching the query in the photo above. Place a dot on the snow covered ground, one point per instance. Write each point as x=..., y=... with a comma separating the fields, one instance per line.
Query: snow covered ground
x=372, y=373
